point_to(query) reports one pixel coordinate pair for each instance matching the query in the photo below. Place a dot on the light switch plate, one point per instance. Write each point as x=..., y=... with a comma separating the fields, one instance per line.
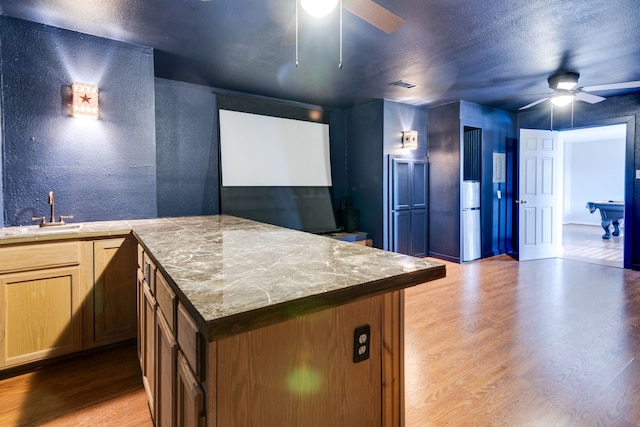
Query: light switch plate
x=637, y=173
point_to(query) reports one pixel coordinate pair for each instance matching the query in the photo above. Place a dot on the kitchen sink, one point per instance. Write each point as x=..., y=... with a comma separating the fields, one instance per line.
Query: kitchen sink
x=35, y=230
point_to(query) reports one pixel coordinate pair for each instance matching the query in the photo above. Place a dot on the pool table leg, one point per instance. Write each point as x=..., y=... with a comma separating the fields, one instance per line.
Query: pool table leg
x=605, y=227
x=616, y=228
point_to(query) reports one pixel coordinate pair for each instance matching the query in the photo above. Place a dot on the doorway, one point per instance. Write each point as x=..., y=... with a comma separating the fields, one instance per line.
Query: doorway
x=594, y=170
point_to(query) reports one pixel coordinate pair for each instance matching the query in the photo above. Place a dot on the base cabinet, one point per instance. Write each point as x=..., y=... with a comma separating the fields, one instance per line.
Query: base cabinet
x=299, y=372
x=41, y=318
x=148, y=344
x=58, y=298
x=169, y=351
x=167, y=356
x=189, y=397
x=114, y=293
x=40, y=302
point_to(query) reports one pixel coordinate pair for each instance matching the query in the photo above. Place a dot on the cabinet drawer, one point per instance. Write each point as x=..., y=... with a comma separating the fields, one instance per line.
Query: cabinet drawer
x=166, y=301
x=34, y=257
x=190, y=341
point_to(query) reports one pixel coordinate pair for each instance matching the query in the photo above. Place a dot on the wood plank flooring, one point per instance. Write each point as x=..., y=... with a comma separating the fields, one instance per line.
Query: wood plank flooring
x=538, y=343
x=497, y=342
x=585, y=243
x=98, y=389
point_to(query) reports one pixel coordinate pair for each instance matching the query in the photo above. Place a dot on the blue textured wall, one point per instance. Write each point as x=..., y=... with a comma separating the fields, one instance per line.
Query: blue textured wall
x=186, y=149
x=498, y=129
x=373, y=133
x=99, y=169
x=1, y=148
x=446, y=123
x=619, y=109
x=398, y=118
x=444, y=181
x=364, y=166
x=338, y=152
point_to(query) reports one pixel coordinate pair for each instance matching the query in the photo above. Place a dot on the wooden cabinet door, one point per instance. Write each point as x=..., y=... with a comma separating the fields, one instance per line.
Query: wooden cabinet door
x=401, y=184
x=166, y=357
x=418, y=232
x=40, y=315
x=114, y=292
x=409, y=201
x=148, y=345
x=189, y=396
x=419, y=171
x=401, y=232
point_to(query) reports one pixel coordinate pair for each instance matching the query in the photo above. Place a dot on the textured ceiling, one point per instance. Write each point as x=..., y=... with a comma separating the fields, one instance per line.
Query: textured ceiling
x=493, y=52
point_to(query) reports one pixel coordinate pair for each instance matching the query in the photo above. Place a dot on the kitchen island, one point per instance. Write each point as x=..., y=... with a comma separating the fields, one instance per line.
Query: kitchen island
x=247, y=324
x=275, y=313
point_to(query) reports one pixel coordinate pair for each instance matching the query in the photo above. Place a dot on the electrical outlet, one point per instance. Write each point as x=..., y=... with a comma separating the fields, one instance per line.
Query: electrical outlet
x=361, y=343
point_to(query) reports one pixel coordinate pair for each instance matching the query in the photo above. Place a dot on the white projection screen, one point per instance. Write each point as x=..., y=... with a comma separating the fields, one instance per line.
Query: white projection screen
x=264, y=151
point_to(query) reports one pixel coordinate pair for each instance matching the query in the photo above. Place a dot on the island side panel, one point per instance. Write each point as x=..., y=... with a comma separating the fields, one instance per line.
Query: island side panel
x=393, y=360
x=301, y=372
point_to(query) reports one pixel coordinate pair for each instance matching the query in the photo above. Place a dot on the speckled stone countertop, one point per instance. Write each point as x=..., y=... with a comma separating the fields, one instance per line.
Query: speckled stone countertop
x=235, y=275
x=74, y=230
x=241, y=274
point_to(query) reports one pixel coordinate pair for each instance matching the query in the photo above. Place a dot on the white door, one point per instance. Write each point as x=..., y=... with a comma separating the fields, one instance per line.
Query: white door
x=539, y=168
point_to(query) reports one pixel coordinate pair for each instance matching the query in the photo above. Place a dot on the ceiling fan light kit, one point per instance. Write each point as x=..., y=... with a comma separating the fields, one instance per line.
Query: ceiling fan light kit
x=319, y=8
x=562, y=98
x=565, y=90
x=367, y=10
x=564, y=81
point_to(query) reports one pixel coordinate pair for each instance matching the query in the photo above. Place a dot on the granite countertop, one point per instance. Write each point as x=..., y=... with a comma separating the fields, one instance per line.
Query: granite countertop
x=73, y=230
x=240, y=274
x=235, y=274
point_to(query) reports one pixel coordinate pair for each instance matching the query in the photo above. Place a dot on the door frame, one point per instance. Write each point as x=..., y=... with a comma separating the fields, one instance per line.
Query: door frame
x=629, y=175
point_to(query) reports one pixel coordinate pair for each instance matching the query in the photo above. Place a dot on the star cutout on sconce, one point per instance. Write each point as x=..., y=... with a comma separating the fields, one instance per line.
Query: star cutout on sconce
x=85, y=98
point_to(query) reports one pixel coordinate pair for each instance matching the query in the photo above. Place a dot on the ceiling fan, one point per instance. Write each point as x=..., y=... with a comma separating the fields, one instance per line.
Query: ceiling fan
x=367, y=10
x=565, y=90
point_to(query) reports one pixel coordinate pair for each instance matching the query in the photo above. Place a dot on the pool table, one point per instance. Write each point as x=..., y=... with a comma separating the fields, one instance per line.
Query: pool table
x=611, y=212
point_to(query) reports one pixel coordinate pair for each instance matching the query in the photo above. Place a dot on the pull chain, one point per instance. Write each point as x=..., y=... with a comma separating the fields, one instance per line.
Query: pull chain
x=340, y=63
x=297, y=34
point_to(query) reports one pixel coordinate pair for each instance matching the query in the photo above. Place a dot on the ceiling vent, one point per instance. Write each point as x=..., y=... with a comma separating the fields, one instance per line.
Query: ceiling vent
x=403, y=83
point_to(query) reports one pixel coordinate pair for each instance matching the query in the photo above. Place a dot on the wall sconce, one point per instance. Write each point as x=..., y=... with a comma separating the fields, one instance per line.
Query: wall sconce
x=84, y=100
x=410, y=139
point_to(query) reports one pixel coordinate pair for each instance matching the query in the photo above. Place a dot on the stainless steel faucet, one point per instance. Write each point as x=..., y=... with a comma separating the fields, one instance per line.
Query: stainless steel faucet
x=52, y=217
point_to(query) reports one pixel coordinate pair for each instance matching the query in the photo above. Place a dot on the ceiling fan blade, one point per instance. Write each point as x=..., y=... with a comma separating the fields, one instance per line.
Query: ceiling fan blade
x=290, y=35
x=533, y=103
x=613, y=86
x=374, y=14
x=588, y=97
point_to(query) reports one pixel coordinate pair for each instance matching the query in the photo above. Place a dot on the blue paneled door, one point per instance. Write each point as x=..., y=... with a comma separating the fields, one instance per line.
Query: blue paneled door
x=409, y=206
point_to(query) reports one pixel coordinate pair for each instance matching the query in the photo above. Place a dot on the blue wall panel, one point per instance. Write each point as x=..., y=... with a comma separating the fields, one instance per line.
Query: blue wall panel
x=498, y=127
x=374, y=133
x=186, y=149
x=99, y=169
x=365, y=179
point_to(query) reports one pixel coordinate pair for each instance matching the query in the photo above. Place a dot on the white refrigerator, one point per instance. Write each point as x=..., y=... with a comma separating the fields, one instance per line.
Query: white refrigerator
x=470, y=220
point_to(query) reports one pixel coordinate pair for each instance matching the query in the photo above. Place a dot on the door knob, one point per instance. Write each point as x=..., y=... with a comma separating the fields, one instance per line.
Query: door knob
x=521, y=202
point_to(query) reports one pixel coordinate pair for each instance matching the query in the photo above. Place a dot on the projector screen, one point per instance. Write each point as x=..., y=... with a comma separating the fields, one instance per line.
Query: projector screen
x=264, y=151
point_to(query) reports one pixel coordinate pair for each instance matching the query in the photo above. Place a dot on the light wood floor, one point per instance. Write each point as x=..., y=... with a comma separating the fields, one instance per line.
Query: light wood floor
x=585, y=243
x=538, y=343
x=497, y=342
x=99, y=389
